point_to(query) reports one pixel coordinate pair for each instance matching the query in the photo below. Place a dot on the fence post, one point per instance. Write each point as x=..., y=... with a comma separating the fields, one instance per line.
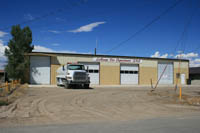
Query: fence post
x=15, y=83
x=12, y=84
x=7, y=86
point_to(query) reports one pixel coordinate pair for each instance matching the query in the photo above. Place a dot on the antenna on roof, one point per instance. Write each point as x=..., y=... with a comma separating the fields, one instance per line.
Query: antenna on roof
x=95, y=50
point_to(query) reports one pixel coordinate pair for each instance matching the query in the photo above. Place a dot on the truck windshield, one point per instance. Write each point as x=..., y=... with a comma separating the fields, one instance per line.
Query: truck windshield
x=76, y=67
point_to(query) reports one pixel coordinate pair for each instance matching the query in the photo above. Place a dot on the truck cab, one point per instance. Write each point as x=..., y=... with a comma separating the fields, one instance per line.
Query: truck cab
x=72, y=74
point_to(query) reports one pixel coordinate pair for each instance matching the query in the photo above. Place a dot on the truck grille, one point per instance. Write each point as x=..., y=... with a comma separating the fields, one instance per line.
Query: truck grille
x=79, y=76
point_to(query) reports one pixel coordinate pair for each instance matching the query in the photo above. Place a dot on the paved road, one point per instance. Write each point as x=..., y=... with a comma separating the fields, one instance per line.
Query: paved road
x=183, y=124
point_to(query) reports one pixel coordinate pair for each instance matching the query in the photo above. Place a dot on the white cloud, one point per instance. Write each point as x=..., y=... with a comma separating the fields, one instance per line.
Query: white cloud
x=38, y=48
x=2, y=64
x=157, y=55
x=197, y=60
x=87, y=28
x=2, y=34
x=2, y=49
x=28, y=16
x=195, y=63
x=188, y=55
x=54, y=31
x=3, y=59
x=55, y=44
x=192, y=57
x=164, y=56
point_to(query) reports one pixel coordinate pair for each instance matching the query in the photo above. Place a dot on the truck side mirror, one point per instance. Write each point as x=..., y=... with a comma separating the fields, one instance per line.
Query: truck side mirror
x=63, y=67
x=87, y=69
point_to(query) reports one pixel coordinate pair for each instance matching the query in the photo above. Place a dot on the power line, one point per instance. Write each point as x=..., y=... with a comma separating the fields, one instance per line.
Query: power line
x=145, y=26
x=196, y=49
x=48, y=14
x=187, y=27
x=181, y=40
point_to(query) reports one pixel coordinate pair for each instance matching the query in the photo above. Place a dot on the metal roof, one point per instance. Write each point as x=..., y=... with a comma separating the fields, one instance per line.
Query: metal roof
x=100, y=55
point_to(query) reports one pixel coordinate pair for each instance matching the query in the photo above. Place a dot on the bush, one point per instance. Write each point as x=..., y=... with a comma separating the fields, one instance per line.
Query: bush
x=4, y=103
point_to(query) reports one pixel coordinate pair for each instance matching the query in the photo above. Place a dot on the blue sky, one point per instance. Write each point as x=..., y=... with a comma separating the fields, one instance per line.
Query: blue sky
x=75, y=28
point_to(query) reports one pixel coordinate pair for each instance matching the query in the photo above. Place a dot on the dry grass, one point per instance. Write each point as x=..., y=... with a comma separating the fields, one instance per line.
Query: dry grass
x=2, y=90
x=194, y=101
x=18, y=92
x=173, y=97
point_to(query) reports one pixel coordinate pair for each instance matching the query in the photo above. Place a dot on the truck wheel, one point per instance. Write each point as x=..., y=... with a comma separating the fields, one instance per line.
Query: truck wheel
x=86, y=86
x=67, y=86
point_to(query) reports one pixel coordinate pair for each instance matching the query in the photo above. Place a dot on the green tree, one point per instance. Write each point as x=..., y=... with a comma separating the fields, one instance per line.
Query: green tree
x=18, y=47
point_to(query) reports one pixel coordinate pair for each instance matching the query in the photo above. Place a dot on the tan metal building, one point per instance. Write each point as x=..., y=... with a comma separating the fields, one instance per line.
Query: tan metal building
x=109, y=69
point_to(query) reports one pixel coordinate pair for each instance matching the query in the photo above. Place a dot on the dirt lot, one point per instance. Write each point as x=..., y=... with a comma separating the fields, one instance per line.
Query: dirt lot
x=60, y=106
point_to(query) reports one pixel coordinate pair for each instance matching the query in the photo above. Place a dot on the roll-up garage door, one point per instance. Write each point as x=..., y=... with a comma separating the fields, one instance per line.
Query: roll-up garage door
x=93, y=70
x=129, y=74
x=167, y=77
x=39, y=70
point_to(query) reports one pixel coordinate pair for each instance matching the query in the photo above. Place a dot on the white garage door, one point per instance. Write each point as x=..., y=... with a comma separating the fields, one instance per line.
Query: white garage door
x=39, y=70
x=93, y=69
x=167, y=77
x=129, y=74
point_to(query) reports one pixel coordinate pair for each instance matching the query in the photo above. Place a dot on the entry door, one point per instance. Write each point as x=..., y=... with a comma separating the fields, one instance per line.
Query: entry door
x=129, y=74
x=39, y=70
x=182, y=79
x=93, y=70
x=167, y=77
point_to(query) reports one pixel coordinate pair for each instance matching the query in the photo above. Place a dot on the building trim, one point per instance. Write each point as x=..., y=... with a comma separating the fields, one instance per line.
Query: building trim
x=92, y=55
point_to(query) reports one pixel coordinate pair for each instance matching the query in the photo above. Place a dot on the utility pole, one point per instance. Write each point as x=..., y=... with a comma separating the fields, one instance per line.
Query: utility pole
x=179, y=72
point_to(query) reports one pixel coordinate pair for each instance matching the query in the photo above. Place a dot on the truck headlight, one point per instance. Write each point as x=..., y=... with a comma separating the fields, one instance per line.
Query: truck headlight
x=69, y=77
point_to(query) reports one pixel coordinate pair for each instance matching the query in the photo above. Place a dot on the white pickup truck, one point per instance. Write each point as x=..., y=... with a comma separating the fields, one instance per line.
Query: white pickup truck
x=72, y=74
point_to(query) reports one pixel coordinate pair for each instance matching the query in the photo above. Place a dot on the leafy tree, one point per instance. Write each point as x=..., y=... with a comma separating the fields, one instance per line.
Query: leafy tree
x=18, y=46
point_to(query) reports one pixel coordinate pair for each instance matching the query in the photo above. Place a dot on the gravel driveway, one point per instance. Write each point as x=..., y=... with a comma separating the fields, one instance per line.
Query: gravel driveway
x=56, y=105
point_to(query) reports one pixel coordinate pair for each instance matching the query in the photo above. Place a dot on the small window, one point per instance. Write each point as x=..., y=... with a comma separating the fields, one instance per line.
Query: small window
x=75, y=67
x=122, y=71
x=96, y=71
x=126, y=72
x=135, y=72
x=91, y=71
x=131, y=72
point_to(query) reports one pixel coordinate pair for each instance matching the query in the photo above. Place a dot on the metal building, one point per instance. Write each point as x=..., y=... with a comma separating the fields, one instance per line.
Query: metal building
x=108, y=69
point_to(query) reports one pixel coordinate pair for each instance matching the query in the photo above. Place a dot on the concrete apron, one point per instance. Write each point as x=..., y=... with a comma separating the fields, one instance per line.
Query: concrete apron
x=30, y=85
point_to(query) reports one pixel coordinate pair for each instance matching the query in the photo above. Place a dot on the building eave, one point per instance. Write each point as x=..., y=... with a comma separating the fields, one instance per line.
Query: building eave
x=100, y=55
